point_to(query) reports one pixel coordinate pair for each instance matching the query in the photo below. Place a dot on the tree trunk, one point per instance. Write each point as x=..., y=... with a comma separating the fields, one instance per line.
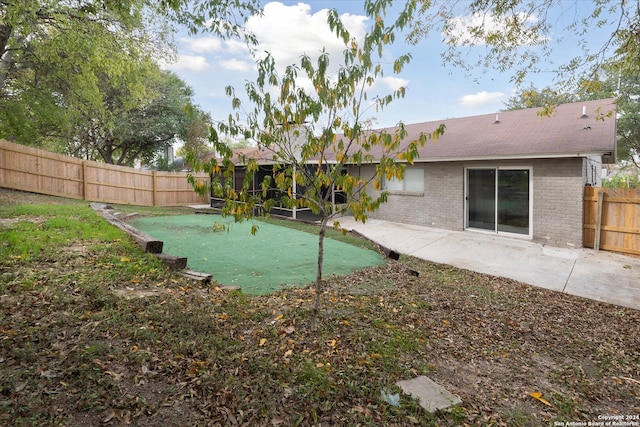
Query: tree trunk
x=6, y=58
x=318, y=296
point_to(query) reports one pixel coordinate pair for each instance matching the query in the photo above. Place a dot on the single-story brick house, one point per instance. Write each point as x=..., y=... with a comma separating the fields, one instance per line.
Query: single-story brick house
x=515, y=173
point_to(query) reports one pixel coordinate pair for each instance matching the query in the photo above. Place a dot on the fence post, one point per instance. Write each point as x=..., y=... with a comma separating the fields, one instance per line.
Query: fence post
x=84, y=180
x=155, y=186
x=596, y=241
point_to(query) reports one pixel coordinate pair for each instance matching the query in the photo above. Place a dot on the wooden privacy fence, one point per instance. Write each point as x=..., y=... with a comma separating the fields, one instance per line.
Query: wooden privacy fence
x=612, y=219
x=30, y=169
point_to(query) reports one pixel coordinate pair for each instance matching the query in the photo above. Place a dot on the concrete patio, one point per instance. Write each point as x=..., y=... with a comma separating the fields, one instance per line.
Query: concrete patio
x=602, y=276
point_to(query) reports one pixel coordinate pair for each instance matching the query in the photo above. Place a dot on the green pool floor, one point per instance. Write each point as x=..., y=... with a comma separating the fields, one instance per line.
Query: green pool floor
x=273, y=258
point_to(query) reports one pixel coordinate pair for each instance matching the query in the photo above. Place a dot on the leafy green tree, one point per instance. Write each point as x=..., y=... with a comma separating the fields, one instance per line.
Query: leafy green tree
x=531, y=98
x=161, y=163
x=196, y=138
x=608, y=83
x=58, y=57
x=63, y=62
x=28, y=25
x=622, y=180
x=625, y=86
x=133, y=124
x=514, y=36
x=221, y=17
x=312, y=136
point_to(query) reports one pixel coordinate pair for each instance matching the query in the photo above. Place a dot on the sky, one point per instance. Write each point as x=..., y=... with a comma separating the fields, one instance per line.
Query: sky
x=434, y=90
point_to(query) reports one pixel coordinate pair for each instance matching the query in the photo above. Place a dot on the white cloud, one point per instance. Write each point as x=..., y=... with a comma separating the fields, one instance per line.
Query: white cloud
x=236, y=65
x=473, y=29
x=394, y=83
x=481, y=98
x=235, y=46
x=202, y=44
x=190, y=63
x=287, y=32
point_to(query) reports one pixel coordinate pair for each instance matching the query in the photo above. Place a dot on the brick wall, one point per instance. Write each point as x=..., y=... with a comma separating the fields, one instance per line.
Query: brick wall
x=440, y=205
x=557, y=186
x=558, y=189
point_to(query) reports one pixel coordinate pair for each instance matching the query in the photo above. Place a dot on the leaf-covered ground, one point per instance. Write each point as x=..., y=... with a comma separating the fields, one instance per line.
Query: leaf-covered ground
x=94, y=332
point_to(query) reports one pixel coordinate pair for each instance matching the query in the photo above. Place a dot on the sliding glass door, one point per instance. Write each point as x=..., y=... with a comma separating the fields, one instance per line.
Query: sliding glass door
x=481, y=198
x=499, y=200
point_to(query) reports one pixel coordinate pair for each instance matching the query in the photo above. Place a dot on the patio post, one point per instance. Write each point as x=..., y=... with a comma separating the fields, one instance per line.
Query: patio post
x=333, y=199
x=294, y=214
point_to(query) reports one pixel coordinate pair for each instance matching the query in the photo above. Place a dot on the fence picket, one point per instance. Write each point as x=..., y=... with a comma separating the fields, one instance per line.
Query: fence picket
x=620, y=219
x=39, y=171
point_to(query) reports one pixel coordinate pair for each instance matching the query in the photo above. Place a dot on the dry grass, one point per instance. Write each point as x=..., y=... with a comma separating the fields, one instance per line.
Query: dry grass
x=94, y=332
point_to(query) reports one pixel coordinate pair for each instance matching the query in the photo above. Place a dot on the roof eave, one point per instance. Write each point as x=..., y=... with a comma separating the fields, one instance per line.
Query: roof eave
x=510, y=157
x=515, y=157
x=264, y=162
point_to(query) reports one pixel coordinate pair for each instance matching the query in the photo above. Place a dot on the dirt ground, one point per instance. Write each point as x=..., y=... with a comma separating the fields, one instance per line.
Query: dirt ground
x=517, y=355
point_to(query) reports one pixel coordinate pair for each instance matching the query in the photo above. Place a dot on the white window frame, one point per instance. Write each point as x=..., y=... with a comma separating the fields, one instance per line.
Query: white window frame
x=498, y=168
x=412, y=181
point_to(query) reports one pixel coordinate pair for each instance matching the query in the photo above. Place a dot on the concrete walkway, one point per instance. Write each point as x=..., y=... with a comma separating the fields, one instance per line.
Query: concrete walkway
x=598, y=275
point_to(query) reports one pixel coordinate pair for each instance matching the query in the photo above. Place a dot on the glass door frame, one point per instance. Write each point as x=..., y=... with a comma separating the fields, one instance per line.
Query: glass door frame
x=495, y=229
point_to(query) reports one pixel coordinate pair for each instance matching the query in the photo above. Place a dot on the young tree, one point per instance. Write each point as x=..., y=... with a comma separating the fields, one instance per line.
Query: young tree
x=313, y=135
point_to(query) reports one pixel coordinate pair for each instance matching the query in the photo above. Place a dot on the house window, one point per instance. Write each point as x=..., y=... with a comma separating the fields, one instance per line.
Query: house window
x=413, y=181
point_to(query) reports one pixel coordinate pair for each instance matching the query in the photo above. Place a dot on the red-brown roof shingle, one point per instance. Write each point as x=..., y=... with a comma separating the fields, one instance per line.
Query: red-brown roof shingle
x=515, y=134
x=523, y=134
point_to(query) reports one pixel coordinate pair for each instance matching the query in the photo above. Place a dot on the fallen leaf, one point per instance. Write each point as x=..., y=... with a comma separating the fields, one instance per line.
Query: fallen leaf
x=262, y=341
x=364, y=411
x=631, y=380
x=124, y=417
x=116, y=376
x=278, y=317
x=538, y=396
x=108, y=416
x=446, y=322
x=8, y=331
x=288, y=353
x=125, y=259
